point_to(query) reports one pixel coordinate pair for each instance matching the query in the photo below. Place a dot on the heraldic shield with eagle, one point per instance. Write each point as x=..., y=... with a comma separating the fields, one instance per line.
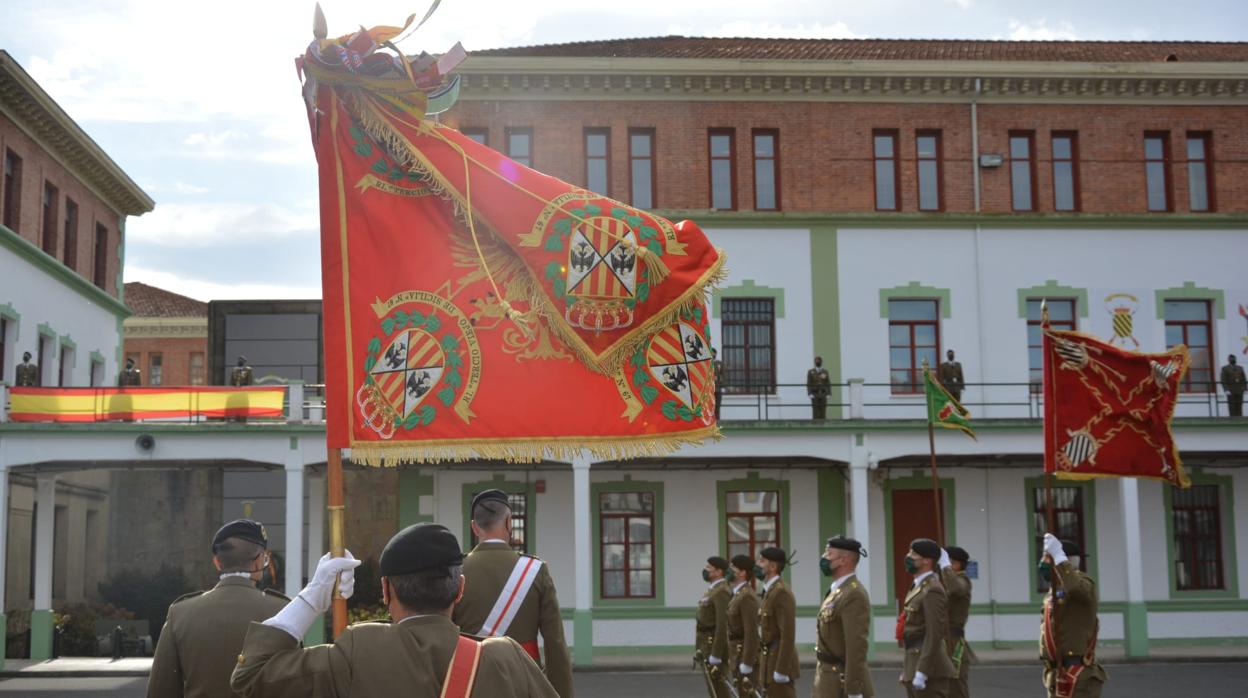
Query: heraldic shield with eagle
x=475, y=307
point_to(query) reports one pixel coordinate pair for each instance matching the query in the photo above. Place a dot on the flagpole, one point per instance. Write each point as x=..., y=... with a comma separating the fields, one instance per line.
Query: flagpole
x=337, y=512
x=1048, y=474
x=931, y=442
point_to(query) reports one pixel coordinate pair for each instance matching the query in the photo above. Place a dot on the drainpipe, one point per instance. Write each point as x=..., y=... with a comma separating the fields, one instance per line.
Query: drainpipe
x=979, y=277
x=975, y=143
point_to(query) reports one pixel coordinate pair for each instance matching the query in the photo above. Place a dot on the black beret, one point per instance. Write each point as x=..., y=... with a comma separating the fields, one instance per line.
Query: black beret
x=843, y=543
x=959, y=554
x=1071, y=548
x=717, y=561
x=774, y=554
x=488, y=496
x=926, y=547
x=420, y=547
x=246, y=529
x=743, y=562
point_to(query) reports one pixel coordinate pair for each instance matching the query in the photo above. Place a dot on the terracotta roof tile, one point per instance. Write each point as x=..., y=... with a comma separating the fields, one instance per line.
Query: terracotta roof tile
x=149, y=301
x=887, y=50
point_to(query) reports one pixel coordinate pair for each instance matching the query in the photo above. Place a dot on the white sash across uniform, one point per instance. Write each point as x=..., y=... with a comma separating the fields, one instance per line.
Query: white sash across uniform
x=511, y=597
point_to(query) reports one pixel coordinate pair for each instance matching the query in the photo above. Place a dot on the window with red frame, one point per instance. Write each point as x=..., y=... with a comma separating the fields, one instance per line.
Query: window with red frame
x=70, y=252
x=752, y=521
x=722, y=151
x=100, y=275
x=766, y=169
x=480, y=135
x=749, y=331
x=598, y=160
x=1061, y=317
x=626, y=545
x=51, y=226
x=1022, y=170
x=641, y=170
x=520, y=145
x=913, y=336
x=1065, y=171
x=887, y=173
x=1196, y=519
x=1067, y=517
x=12, y=189
x=1200, y=172
x=1188, y=323
x=927, y=150
x=1157, y=170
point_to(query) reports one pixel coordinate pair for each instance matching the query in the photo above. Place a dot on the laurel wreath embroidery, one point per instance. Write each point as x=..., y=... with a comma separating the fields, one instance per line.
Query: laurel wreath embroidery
x=452, y=376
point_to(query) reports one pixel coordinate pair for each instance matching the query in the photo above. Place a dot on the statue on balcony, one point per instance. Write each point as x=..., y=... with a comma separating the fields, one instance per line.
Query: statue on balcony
x=27, y=373
x=818, y=386
x=130, y=375
x=950, y=376
x=241, y=374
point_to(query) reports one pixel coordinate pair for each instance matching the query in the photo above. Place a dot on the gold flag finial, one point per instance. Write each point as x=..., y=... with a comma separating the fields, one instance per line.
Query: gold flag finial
x=320, y=29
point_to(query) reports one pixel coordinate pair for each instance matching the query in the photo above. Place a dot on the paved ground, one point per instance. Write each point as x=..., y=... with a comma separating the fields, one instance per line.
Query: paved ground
x=1127, y=681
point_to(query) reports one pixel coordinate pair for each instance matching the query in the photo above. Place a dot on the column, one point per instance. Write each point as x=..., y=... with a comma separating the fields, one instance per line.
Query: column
x=1135, y=620
x=294, y=519
x=316, y=545
x=41, y=620
x=582, y=617
x=4, y=536
x=860, y=519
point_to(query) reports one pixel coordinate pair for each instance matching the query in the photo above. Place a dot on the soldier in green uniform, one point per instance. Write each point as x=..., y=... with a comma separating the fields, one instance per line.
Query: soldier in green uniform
x=511, y=594
x=27, y=373
x=818, y=386
x=742, y=623
x=130, y=375
x=204, y=630
x=1234, y=384
x=1069, y=625
x=924, y=626
x=953, y=562
x=777, y=620
x=844, y=625
x=711, y=636
x=418, y=655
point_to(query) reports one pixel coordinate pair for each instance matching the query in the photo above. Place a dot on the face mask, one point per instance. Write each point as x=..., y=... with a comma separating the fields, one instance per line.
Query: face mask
x=706, y=575
x=912, y=567
x=1046, y=572
x=759, y=573
x=825, y=566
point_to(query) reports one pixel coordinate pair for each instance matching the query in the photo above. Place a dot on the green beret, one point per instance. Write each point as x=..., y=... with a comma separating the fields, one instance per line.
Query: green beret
x=244, y=529
x=420, y=547
x=926, y=547
x=743, y=562
x=959, y=554
x=774, y=554
x=843, y=543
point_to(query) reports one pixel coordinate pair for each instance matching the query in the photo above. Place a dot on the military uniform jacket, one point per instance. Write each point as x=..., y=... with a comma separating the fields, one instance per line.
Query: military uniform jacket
x=1233, y=379
x=777, y=620
x=28, y=375
x=379, y=660
x=486, y=570
x=926, y=631
x=950, y=375
x=743, y=626
x=1071, y=606
x=202, y=637
x=843, y=629
x=818, y=382
x=712, y=621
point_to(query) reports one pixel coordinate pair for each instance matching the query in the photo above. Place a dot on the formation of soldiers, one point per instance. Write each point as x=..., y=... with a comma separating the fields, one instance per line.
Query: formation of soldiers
x=756, y=629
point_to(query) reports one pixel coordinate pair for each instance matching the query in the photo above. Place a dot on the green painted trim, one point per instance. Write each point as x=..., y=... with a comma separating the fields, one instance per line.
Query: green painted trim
x=1089, y=529
x=916, y=482
x=1051, y=289
x=915, y=290
x=1191, y=292
x=37, y=257
x=316, y=634
x=96, y=356
x=8, y=312
x=752, y=482
x=413, y=484
x=831, y=493
x=1135, y=629
x=582, y=637
x=294, y=443
x=120, y=350
x=627, y=485
x=1230, y=566
x=45, y=329
x=826, y=311
x=42, y=622
x=794, y=219
x=500, y=482
x=68, y=341
x=748, y=289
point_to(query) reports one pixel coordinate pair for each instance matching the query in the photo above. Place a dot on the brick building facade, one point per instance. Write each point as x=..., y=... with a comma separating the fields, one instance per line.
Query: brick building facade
x=167, y=336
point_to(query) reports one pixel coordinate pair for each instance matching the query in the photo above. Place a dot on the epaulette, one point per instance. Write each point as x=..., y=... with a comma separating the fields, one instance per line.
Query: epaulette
x=853, y=585
x=528, y=555
x=184, y=597
x=470, y=636
x=274, y=592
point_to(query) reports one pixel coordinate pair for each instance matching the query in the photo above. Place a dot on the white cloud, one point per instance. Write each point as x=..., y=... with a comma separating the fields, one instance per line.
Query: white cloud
x=1041, y=31
x=208, y=290
x=211, y=224
x=772, y=30
x=964, y=4
x=176, y=187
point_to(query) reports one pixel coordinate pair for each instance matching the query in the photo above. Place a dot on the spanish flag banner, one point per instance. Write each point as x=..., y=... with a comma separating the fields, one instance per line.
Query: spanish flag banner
x=106, y=404
x=1107, y=410
x=475, y=307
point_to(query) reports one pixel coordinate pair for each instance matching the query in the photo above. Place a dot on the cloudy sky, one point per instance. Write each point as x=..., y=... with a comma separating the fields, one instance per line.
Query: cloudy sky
x=199, y=101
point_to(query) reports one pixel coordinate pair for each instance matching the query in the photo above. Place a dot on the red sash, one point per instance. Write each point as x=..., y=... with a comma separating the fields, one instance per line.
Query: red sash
x=463, y=670
x=1067, y=679
x=901, y=626
x=531, y=648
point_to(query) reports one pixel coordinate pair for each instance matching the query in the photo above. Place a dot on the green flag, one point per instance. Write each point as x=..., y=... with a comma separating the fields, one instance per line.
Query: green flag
x=943, y=410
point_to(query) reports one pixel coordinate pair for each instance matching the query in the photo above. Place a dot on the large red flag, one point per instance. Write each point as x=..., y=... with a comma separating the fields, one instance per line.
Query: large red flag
x=477, y=308
x=1107, y=411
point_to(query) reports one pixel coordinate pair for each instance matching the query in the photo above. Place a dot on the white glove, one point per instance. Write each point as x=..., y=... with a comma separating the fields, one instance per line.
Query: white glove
x=745, y=669
x=315, y=599
x=1053, y=547
x=855, y=695
x=944, y=559
x=714, y=661
x=779, y=678
x=920, y=680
